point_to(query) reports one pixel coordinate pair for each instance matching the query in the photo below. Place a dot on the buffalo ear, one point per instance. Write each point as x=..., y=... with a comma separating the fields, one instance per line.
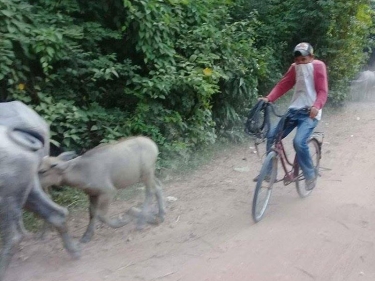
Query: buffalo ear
x=63, y=166
x=66, y=156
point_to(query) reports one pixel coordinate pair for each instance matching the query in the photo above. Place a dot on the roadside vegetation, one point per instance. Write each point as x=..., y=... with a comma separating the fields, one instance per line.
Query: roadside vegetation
x=182, y=72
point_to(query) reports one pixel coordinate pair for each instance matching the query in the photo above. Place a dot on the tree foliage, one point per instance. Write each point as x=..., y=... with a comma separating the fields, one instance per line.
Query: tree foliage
x=339, y=30
x=182, y=72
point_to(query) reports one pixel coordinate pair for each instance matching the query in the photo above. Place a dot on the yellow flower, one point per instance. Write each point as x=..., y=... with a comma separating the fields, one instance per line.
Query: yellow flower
x=21, y=86
x=207, y=71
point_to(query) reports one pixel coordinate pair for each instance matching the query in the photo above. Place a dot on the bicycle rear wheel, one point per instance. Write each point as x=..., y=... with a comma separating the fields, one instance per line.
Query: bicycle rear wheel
x=263, y=189
x=315, y=154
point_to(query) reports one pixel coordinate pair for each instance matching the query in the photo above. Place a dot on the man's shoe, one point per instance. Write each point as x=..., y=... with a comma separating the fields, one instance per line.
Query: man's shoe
x=310, y=184
x=267, y=178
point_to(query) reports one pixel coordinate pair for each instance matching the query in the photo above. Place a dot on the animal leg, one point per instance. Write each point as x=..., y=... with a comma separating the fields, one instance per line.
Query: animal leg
x=46, y=227
x=103, y=205
x=10, y=215
x=43, y=232
x=22, y=229
x=160, y=199
x=145, y=208
x=93, y=214
x=39, y=203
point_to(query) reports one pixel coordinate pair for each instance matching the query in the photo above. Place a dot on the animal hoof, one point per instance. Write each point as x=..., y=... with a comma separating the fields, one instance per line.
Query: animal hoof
x=135, y=212
x=76, y=255
x=153, y=220
x=27, y=235
x=75, y=251
x=42, y=235
x=141, y=226
x=160, y=219
x=85, y=239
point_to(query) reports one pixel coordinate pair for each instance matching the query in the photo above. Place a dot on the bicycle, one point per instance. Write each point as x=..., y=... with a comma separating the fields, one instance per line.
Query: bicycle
x=292, y=173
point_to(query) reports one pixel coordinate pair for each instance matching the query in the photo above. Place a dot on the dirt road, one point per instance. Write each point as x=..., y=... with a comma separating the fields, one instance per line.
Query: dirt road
x=209, y=235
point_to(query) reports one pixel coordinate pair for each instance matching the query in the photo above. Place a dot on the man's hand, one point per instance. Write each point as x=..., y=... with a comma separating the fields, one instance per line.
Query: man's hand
x=264, y=99
x=313, y=112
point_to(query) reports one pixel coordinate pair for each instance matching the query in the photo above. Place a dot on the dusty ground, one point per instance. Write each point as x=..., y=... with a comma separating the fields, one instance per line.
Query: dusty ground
x=209, y=235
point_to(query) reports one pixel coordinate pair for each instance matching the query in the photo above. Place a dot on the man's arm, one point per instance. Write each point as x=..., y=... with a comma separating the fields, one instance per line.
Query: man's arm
x=321, y=84
x=284, y=85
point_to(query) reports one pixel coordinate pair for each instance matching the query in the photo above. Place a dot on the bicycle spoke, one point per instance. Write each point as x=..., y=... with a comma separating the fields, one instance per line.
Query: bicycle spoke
x=263, y=188
x=315, y=156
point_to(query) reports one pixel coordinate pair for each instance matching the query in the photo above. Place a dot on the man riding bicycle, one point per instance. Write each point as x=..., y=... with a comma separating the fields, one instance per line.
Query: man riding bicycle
x=308, y=76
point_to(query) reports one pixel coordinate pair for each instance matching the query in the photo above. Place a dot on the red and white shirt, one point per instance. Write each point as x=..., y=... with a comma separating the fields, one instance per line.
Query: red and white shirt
x=310, y=82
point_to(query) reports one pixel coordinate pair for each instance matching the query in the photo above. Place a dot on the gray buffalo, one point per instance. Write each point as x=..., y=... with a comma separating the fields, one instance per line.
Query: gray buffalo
x=363, y=88
x=104, y=169
x=15, y=114
x=20, y=157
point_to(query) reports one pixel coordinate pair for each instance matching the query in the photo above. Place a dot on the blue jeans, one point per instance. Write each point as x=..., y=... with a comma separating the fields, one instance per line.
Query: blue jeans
x=305, y=126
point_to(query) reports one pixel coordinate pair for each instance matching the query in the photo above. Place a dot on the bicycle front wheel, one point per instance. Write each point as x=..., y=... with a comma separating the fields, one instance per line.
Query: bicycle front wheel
x=263, y=189
x=315, y=154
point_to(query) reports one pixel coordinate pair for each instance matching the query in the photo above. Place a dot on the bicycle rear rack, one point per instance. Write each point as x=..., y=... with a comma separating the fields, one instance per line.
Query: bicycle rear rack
x=319, y=136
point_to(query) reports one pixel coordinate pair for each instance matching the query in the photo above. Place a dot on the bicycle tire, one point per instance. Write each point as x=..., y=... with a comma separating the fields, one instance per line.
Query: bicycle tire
x=315, y=153
x=263, y=189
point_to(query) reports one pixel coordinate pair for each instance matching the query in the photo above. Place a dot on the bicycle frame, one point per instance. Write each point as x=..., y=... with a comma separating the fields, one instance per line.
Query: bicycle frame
x=292, y=174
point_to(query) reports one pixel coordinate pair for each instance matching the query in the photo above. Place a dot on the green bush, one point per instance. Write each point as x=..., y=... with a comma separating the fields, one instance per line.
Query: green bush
x=182, y=72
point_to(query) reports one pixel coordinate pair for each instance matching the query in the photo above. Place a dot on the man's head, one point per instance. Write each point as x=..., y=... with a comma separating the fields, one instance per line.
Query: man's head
x=303, y=53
